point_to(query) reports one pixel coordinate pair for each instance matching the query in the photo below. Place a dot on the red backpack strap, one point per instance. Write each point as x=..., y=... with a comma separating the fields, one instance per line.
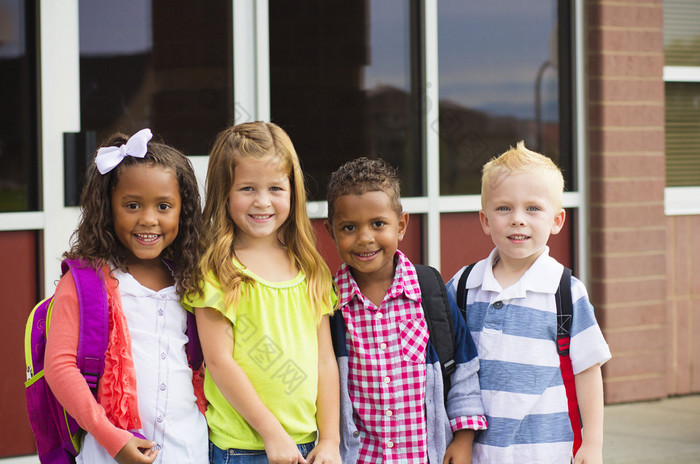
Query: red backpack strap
x=94, y=319
x=565, y=313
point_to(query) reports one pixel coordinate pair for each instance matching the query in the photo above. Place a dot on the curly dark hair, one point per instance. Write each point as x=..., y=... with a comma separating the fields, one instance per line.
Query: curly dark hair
x=95, y=240
x=364, y=175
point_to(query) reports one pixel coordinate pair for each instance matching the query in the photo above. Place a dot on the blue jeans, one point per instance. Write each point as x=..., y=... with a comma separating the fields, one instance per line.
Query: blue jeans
x=240, y=456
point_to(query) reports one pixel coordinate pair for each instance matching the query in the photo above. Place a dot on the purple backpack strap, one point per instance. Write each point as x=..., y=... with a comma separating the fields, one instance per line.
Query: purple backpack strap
x=194, y=349
x=94, y=319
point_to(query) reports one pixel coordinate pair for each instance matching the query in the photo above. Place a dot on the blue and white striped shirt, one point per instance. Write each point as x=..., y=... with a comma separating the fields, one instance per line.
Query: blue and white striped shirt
x=514, y=330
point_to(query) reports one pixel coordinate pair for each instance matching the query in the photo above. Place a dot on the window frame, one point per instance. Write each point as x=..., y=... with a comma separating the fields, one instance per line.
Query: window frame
x=680, y=201
x=252, y=92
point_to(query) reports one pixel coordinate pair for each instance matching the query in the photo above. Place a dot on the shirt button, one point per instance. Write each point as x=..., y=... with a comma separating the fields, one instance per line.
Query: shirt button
x=498, y=305
x=356, y=433
x=157, y=447
x=159, y=419
x=387, y=380
x=162, y=387
x=390, y=444
x=383, y=346
x=380, y=315
x=389, y=413
x=160, y=312
x=162, y=355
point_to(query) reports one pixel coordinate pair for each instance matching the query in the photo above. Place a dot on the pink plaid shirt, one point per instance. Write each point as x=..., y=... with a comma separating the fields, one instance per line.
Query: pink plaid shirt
x=387, y=368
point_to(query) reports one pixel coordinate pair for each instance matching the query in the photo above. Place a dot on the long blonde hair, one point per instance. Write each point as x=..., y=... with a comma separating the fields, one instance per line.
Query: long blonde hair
x=258, y=140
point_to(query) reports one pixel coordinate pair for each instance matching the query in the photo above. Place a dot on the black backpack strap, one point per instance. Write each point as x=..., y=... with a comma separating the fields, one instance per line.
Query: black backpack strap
x=439, y=318
x=462, y=290
x=565, y=312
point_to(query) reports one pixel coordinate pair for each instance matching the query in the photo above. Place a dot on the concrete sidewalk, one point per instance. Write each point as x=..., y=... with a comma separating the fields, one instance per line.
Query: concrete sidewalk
x=649, y=432
x=662, y=431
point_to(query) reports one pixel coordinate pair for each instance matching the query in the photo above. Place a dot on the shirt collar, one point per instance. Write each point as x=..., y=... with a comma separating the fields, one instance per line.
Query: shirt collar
x=405, y=282
x=542, y=277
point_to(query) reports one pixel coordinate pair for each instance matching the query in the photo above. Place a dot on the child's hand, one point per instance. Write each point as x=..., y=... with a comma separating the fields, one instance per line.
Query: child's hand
x=325, y=452
x=137, y=450
x=460, y=450
x=589, y=455
x=281, y=449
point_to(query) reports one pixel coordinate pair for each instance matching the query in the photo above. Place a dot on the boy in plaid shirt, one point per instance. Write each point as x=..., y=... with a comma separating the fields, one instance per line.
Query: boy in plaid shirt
x=393, y=408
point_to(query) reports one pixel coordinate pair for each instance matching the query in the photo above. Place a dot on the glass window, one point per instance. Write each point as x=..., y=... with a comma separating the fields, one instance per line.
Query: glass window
x=148, y=63
x=505, y=76
x=343, y=84
x=682, y=49
x=682, y=134
x=681, y=33
x=19, y=189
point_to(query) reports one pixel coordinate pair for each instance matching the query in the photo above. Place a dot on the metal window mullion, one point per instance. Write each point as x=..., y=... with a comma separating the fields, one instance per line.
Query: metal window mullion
x=59, y=83
x=431, y=127
x=262, y=59
x=583, y=235
x=244, y=61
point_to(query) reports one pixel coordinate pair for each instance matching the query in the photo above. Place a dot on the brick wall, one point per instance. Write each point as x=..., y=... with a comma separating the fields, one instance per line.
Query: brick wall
x=627, y=179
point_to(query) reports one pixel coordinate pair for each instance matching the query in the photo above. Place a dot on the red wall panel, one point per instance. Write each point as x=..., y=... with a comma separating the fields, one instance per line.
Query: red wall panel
x=18, y=285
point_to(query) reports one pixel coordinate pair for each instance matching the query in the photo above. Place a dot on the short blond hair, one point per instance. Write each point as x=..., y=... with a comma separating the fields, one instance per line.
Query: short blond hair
x=520, y=160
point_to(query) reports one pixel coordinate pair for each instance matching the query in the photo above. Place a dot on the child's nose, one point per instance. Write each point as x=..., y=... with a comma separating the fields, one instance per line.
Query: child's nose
x=518, y=218
x=149, y=217
x=365, y=235
x=262, y=199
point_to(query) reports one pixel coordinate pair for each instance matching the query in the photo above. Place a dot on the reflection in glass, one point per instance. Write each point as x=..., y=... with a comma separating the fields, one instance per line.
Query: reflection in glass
x=504, y=67
x=342, y=85
x=18, y=116
x=161, y=64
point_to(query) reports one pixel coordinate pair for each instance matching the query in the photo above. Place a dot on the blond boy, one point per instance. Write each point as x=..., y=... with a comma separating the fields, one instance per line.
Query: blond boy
x=511, y=314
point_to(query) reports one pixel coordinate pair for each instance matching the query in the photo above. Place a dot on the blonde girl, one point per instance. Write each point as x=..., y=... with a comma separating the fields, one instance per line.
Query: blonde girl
x=271, y=377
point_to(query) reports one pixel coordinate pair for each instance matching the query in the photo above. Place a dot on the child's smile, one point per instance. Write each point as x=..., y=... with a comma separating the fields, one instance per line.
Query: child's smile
x=520, y=214
x=146, y=210
x=367, y=232
x=259, y=201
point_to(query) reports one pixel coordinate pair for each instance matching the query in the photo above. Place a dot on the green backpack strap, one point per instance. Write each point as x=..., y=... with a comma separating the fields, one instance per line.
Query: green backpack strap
x=439, y=318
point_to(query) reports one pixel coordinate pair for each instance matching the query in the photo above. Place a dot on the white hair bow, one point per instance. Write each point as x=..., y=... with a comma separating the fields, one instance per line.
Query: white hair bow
x=109, y=157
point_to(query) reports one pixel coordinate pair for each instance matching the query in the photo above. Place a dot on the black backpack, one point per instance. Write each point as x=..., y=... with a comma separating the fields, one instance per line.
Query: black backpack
x=439, y=318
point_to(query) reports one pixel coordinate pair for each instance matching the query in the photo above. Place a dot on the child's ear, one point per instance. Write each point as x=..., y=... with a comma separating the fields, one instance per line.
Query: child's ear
x=329, y=229
x=484, y=222
x=558, y=222
x=403, y=224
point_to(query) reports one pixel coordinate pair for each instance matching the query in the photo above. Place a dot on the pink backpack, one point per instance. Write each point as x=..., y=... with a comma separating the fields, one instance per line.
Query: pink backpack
x=57, y=434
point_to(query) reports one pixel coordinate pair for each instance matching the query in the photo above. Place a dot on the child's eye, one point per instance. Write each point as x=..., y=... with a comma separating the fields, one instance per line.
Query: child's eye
x=502, y=208
x=348, y=228
x=163, y=206
x=533, y=208
x=378, y=223
x=132, y=206
x=276, y=189
x=246, y=189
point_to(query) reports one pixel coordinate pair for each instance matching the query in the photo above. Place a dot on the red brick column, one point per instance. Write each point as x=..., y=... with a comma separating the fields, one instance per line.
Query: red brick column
x=627, y=178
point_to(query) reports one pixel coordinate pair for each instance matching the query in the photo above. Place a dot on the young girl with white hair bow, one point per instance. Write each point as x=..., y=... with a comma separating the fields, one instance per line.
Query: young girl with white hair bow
x=140, y=224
